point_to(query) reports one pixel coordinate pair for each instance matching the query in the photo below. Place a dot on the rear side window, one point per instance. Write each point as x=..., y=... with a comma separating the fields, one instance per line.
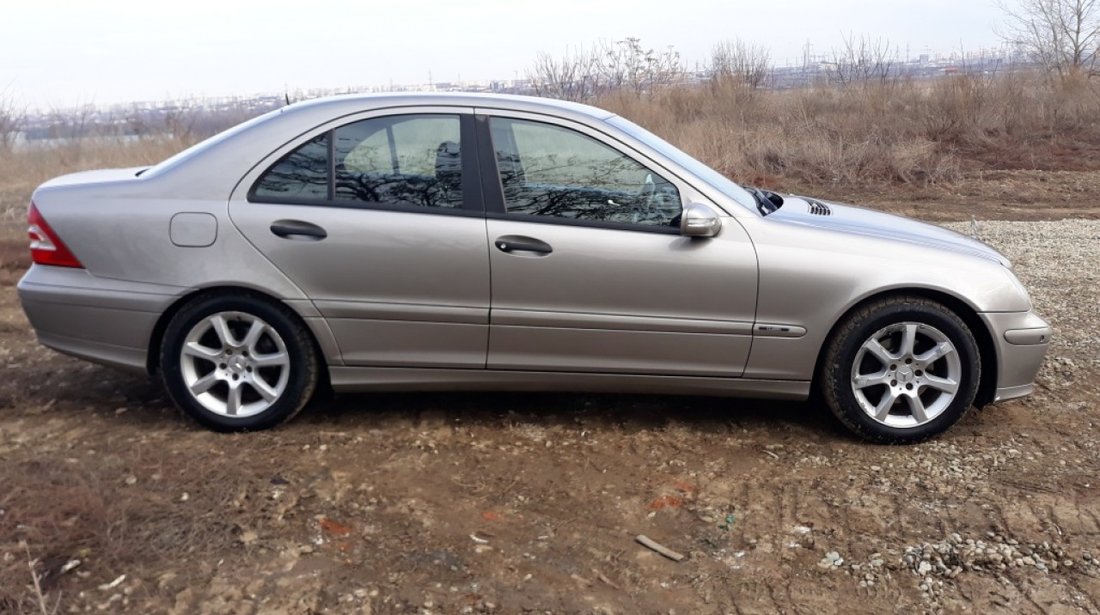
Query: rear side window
x=302, y=174
x=404, y=160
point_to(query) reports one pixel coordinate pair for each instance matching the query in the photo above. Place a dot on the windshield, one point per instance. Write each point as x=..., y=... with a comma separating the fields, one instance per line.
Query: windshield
x=713, y=178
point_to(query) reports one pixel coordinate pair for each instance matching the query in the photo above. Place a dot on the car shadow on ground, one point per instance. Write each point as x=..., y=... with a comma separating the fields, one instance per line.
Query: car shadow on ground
x=618, y=412
x=103, y=390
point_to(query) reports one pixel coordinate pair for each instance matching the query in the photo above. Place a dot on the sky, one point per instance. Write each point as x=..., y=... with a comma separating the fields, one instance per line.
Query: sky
x=58, y=53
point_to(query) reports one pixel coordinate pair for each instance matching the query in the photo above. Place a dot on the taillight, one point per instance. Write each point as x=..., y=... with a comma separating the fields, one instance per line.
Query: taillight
x=46, y=247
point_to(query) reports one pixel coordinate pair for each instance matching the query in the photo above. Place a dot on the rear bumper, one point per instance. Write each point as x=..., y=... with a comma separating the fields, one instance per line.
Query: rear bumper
x=98, y=319
x=1021, y=340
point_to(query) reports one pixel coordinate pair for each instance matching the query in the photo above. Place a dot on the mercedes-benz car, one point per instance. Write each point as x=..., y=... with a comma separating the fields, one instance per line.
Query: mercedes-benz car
x=468, y=241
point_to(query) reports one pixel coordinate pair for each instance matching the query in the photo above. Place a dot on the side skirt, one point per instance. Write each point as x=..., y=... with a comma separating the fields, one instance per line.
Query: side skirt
x=351, y=379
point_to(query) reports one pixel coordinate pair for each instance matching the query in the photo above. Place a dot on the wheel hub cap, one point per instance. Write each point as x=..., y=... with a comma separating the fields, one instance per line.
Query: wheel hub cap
x=237, y=364
x=906, y=374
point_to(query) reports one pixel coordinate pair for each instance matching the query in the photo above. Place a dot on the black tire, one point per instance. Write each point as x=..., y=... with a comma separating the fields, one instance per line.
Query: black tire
x=835, y=375
x=304, y=365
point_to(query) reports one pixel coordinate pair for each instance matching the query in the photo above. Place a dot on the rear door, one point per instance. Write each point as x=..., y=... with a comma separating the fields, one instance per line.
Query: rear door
x=379, y=220
x=589, y=270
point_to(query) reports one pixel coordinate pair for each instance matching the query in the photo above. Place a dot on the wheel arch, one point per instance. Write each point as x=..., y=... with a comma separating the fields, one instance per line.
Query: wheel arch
x=156, y=338
x=987, y=350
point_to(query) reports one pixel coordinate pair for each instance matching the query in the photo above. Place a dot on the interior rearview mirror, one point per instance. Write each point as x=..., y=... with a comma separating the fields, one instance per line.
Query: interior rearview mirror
x=698, y=220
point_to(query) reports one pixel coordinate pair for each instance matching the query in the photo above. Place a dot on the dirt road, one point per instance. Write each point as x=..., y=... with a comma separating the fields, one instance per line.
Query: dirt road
x=448, y=503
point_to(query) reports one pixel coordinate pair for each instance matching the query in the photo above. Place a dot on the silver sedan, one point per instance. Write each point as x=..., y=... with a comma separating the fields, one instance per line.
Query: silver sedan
x=465, y=242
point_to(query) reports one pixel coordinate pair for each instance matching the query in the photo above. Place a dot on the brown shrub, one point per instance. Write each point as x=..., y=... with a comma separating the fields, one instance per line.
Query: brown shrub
x=21, y=170
x=895, y=131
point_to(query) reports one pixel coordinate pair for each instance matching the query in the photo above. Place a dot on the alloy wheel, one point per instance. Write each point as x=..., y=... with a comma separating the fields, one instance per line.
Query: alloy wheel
x=906, y=374
x=234, y=364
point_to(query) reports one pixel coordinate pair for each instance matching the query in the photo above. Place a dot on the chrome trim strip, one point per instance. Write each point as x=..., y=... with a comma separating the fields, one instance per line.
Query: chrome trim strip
x=617, y=322
x=368, y=310
x=778, y=330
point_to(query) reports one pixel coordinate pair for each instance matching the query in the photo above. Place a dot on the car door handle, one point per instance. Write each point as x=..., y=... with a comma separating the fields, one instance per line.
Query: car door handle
x=518, y=243
x=296, y=229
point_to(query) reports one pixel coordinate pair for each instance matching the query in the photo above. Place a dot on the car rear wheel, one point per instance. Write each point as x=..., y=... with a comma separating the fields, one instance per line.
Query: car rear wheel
x=900, y=370
x=238, y=362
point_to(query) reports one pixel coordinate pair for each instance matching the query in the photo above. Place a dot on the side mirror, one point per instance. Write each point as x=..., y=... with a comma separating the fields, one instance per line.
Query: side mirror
x=698, y=220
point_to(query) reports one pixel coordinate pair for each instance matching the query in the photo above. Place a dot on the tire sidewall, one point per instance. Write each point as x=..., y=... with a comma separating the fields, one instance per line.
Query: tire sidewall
x=840, y=373
x=300, y=352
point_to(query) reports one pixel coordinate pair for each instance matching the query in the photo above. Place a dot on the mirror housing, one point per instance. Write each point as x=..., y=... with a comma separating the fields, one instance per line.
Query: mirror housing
x=698, y=220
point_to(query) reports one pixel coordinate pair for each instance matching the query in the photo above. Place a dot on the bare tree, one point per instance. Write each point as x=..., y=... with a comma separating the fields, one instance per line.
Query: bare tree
x=571, y=77
x=862, y=60
x=72, y=123
x=626, y=64
x=12, y=119
x=180, y=120
x=740, y=62
x=609, y=66
x=1061, y=35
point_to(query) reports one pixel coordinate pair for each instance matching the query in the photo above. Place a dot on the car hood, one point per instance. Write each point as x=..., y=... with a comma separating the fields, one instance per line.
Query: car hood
x=851, y=220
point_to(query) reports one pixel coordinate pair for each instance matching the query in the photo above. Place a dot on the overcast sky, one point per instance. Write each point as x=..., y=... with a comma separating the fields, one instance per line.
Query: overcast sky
x=55, y=52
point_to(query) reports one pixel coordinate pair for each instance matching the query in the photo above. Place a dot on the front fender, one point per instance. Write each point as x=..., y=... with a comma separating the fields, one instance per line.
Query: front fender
x=809, y=278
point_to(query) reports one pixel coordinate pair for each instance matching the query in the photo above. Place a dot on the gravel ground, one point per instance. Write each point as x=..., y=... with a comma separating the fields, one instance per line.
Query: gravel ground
x=443, y=503
x=1059, y=263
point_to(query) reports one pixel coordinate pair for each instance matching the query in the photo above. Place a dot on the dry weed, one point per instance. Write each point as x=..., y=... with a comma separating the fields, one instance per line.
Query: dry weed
x=66, y=519
x=893, y=132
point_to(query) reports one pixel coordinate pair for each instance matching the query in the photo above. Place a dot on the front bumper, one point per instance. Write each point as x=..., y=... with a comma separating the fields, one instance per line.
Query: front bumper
x=98, y=319
x=1021, y=340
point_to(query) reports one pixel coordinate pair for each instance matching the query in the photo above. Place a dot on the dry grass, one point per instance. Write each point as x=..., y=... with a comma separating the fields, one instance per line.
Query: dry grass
x=22, y=170
x=14, y=258
x=898, y=132
x=68, y=518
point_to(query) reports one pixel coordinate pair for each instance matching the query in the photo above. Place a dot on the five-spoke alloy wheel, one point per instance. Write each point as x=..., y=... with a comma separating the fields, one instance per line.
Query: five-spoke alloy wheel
x=900, y=369
x=238, y=361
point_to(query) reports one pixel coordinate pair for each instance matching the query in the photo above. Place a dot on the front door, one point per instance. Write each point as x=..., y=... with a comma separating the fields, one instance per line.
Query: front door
x=375, y=220
x=589, y=271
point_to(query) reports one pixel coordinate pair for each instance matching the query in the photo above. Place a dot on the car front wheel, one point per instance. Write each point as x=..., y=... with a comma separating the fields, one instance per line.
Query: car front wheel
x=900, y=370
x=237, y=362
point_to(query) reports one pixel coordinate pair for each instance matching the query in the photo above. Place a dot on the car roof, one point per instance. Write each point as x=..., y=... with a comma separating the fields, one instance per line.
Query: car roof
x=225, y=157
x=472, y=99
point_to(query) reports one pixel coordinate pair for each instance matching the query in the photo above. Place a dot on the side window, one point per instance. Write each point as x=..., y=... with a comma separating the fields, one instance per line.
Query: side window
x=548, y=170
x=302, y=174
x=400, y=160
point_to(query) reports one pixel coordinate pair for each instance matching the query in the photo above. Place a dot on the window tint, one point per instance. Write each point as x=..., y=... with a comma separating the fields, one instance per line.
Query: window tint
x=548, y=170
x=303, y=174
x=402, y=160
